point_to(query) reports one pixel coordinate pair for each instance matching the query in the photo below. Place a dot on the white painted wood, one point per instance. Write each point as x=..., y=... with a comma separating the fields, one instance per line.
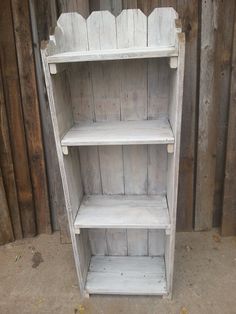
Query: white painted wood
x=126, y=275
x=132, y=32
x=90, y=170
x=113, y=54
x=101, y=27
x=157, y=169
x=135, y=169
x=118, y=133
x=57, y=68
x=175, y=115
x=170, y=148
x=97, y=240
x=156, y=242
x=123, y=211
x=161, y=27
x=106, y=97
x=158, y=88
x=116, y=242
x=112, y=173
x=71, y=201
x=65, y=150
x=173, y=62
x=71, y=33
x=137, y=242
x=111, y=104
x=81, y=92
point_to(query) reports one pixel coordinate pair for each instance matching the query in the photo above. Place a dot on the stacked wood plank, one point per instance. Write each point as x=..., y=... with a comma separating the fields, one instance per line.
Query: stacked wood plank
x=24, y=195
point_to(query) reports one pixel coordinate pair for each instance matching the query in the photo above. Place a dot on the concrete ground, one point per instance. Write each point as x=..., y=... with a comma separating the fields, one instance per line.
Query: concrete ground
x=38, y=276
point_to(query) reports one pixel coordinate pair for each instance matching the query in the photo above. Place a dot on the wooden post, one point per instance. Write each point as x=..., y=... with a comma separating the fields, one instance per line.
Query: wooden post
x=15, y=119
x=31, y=113
x=8, y=168
x=6, y=232
x=223, y=54
x=228, y=227
x=188, y=13
x=206, y=149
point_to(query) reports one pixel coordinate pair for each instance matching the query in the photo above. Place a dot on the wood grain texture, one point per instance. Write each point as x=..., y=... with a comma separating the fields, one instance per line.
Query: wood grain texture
x=31, y=113
x=206, y=146
x=80, y=6
x=15, y=120
x=118, y=133
x=41, y=20
x=189, y=16
x=69, y=164
x=7, y=167
x=228, y=227
x=126, y=275
x=223, y=55
x=123, y=211
x=6, y=232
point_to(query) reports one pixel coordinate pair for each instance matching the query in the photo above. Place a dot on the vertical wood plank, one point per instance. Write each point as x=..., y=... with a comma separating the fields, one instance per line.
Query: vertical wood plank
x=223, y=54
x=6, y=232
x=206, y=149
x=228, y=227
x=114, y=6
x=134, y=107
x=129, y=4
x=116, y=242
x=156, y=242
x=41, y=20
x=7, y=167
x=185, y=213
x=15, y=119
x=137, y=242
x=80, y=6
x=30, y=105
x=106, y=96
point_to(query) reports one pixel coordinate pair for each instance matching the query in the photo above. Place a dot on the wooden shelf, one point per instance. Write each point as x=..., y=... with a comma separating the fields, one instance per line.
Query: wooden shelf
x=119, y=133
x=123, y=211
x=126, y=275
x=113, y=54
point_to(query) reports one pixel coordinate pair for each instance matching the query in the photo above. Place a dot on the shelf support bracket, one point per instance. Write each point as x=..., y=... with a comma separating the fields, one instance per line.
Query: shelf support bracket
x=65, y=150
x=170, y=148
x=167, y=231
x=56, y=68
x=173, y=62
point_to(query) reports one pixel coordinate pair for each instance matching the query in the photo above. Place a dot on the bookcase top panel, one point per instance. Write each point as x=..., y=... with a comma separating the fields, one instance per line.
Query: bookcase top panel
x=102, y=36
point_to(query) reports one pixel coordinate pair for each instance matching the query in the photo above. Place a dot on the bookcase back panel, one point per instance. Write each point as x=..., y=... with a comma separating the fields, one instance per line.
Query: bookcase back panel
x=123, y=242
x=121, y=90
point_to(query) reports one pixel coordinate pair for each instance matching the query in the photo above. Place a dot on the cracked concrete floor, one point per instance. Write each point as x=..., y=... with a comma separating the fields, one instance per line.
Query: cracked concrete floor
x=37, y=275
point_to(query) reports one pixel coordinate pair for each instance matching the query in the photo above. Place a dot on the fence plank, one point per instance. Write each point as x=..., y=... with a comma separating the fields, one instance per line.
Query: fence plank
x=80, y=6
x=229, y=202
x=207, y=121
x=15, y=119
x=189, y=16
x=6, y=232
x=30, y=106
x=224, y=40
x=40, y=31
x=7, y=167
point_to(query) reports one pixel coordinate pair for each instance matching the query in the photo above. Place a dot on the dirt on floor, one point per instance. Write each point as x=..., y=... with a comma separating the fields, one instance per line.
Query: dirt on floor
x=38, y=276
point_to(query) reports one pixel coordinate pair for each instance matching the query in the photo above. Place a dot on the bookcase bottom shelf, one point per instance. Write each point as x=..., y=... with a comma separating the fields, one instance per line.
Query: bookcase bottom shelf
x=126, y=275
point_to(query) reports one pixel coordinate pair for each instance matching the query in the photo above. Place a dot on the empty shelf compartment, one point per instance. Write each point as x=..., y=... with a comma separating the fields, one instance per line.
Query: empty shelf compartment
x=119, y=133
x=123, y=211
x=132, y=275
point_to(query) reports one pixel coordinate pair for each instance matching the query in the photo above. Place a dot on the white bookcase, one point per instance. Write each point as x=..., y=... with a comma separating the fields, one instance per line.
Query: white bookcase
x=115, y=88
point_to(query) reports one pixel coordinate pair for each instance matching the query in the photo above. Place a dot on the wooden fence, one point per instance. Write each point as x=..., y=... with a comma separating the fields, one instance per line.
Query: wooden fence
x=31, y=198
